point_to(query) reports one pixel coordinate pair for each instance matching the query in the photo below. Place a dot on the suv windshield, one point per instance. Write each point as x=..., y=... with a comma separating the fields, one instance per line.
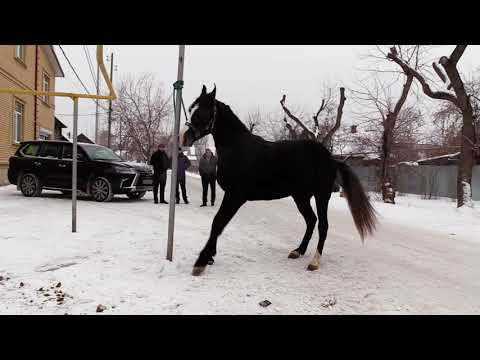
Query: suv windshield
x=96, y=152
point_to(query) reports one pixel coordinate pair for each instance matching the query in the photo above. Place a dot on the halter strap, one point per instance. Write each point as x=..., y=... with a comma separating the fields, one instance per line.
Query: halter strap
x=211, y=123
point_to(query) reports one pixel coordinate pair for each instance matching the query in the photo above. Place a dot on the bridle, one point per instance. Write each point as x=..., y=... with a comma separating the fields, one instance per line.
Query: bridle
x=211, y=123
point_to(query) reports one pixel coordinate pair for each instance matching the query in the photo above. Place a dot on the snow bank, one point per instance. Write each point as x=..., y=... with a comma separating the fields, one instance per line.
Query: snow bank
x=439, y=215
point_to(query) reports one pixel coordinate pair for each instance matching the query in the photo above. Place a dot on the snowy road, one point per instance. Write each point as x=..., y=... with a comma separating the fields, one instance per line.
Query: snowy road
x=424, y=259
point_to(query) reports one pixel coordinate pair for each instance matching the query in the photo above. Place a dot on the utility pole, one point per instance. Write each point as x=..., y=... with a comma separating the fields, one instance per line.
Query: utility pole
x=96, y=104
x=110, y=105
x=74, y=165
x=120, y=136
x=178, y=107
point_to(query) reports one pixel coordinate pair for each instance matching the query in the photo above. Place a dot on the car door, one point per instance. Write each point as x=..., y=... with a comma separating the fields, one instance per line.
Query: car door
x=65, y=165
x=28, y=162
x=48, y=161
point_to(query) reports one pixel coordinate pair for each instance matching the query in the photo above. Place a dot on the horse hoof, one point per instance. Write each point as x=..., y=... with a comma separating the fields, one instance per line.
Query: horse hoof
x=210, y=262
x=294, y=254
x=313, y=267
x=198, y=270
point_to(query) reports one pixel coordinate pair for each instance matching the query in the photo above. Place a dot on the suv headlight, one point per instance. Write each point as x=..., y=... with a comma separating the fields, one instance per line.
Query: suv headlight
x=124, y=170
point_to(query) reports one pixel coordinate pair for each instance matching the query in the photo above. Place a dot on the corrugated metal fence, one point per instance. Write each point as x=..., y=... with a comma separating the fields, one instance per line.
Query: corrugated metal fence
x=430, y=181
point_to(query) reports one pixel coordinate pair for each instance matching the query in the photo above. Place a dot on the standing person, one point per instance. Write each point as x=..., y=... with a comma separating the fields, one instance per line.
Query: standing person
x=159, y=161
x=183, y=165
x=208, y=172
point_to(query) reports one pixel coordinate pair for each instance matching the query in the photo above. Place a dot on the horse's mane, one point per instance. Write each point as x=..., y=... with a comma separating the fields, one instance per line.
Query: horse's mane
x=233, y=121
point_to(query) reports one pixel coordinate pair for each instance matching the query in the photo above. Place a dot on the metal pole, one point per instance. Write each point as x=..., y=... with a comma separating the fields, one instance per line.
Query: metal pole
x=74, y=165
x=110, y=104
x=120, y=136
x=96, y=105
x=173, y=186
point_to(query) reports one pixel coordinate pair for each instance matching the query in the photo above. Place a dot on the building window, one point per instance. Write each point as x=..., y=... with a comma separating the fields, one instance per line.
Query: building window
x=45, y=86
x=19, y=115
x=20, y=52
x=44, y=134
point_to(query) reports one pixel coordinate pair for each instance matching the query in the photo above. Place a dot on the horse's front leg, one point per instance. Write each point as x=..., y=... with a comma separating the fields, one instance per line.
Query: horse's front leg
x=230, y=205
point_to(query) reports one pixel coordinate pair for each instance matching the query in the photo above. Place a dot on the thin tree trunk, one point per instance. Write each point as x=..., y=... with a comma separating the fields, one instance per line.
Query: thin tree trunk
x=327, y=140
x=467, y=160
x=467, y=155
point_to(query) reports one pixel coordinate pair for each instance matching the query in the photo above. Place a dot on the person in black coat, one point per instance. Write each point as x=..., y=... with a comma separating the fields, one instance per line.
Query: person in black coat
x=208, y=171
x=159, y=161
x=183, y=164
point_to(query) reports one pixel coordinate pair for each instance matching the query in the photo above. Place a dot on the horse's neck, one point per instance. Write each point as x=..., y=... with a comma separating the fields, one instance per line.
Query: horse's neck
x=229, y=131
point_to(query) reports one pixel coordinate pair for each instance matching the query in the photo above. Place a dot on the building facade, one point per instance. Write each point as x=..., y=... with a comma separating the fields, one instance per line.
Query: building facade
x=26, y=117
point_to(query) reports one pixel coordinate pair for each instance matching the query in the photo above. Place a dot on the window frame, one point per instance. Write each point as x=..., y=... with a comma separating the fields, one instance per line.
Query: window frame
x=46, y=98
x=22, y=150
x=80, y=152
x=17, y=139
x=22, y=56
x=45, y=134
x=45, y=144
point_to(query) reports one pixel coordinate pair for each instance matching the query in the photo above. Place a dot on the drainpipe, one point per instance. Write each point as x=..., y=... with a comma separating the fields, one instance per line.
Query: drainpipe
x=35, y=97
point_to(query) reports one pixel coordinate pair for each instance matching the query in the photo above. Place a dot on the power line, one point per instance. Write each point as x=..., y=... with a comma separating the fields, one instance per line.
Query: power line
x=92, y=72
x=75, y=72
x=78, y=77
x=90, y=66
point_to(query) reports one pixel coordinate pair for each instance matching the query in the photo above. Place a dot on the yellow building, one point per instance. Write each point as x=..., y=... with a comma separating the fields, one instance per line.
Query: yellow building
x=26, y=117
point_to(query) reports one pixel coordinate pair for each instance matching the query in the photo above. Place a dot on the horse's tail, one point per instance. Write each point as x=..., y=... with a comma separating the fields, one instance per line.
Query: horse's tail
x=363, y=213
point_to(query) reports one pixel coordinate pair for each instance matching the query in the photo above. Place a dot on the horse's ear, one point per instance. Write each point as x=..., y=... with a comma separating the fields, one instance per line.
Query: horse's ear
x=214, y=91
x=204, y=90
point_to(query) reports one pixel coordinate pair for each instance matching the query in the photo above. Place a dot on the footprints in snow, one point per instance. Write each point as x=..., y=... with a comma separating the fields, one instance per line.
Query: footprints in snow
x=61, y=263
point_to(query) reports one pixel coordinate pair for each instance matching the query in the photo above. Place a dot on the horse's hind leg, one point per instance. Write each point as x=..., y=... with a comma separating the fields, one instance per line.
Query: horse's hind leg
x=228, y=209
x=322, y=208
x=303, y=205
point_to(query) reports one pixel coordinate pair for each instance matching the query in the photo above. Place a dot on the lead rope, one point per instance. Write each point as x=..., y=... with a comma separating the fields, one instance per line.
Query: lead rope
x=178, y=85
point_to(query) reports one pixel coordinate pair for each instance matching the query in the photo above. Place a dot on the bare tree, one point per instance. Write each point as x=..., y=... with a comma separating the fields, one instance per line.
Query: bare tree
x=143, y=113
x=448, y=119
x=323, y=129
x=254, y=118
x=267, y=125
x=462, y=101
x=383, y=120
x=386, y=113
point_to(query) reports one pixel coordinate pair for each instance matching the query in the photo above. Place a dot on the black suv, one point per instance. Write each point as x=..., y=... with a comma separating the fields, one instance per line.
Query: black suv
x=101, y=173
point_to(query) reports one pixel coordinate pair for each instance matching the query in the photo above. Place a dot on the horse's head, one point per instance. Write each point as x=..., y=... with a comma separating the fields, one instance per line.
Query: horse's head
x=202, y=117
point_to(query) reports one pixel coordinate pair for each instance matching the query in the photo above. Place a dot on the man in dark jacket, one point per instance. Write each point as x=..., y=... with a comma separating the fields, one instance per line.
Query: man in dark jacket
x=183, y=165
x=159, y=161
x=208, y=172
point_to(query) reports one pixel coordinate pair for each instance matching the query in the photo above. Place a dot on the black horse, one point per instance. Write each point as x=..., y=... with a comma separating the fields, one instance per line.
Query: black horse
x=251, y=168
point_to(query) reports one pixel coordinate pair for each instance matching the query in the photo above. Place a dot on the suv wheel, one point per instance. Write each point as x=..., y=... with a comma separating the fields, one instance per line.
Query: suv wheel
x=136, y=195
x=30, y=185
x=101, y=190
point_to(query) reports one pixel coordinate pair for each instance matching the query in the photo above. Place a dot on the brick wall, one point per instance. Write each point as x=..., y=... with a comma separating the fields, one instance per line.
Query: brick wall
x=15, y=74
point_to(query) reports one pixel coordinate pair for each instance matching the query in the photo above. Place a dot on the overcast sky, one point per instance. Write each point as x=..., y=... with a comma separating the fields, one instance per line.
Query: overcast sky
x=247, y=77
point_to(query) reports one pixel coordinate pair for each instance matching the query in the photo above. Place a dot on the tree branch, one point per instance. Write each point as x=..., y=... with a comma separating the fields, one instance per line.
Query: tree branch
x=293, y=134
x=457, y=53
x=328, y=137
x=294, y=118
x=439, y=72
x=403, y=97
x=393, y=55
x=315, y=117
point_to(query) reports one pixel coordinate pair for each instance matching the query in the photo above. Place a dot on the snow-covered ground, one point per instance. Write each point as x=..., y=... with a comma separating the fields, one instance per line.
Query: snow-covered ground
x=423, y=259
